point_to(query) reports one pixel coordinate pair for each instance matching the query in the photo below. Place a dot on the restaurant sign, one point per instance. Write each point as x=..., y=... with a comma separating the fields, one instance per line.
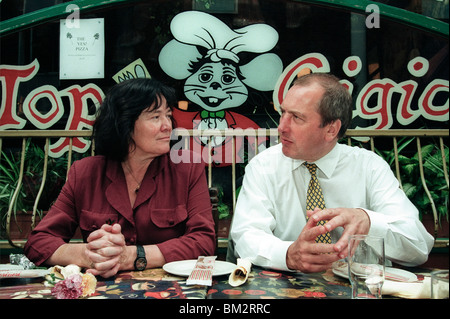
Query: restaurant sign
x=78, y=118
x=383, y=111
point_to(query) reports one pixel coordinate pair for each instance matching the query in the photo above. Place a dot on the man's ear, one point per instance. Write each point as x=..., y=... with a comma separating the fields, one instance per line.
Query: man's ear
x=333, y=130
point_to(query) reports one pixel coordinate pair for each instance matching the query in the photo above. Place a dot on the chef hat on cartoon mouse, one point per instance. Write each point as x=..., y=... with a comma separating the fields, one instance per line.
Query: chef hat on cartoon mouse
x=193, y=28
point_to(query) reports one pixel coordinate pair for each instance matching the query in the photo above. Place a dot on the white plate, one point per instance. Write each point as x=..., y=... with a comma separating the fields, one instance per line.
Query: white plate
x=340, y=269
x=184, y=267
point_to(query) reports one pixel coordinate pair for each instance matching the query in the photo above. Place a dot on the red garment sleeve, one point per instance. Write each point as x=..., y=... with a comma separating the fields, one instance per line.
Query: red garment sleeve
x=57, y=227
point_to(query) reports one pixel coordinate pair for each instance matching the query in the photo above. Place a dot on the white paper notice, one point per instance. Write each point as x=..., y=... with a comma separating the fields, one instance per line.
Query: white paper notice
x=82, y=49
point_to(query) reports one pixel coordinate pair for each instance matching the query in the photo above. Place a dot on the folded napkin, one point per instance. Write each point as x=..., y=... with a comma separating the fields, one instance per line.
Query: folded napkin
x=202, y=272
x=440, y=290
x=24, y=273
x=410, y=290
x=240, y=274
x=18, y=271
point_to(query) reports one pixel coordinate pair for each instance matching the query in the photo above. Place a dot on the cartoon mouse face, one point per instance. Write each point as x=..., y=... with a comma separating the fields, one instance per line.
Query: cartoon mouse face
x=216, y=86
x=205, y=53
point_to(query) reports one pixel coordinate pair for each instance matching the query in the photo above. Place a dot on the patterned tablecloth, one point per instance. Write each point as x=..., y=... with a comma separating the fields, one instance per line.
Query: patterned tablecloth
x=268, y=284
x=148, y=284
x=158, y=284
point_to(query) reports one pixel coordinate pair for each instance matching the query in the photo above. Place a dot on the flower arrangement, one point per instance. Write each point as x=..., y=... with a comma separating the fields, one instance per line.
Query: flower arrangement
x=70, y=283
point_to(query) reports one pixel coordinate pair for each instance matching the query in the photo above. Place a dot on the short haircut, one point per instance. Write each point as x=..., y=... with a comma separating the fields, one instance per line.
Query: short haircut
x=336, y=102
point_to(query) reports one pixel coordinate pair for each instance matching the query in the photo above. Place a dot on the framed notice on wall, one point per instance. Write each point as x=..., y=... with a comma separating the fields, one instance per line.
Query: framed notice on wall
x=82, y=49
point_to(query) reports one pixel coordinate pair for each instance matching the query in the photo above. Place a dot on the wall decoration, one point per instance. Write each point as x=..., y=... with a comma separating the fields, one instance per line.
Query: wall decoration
x=205, y=54
x=133, y=70
x=82, y=45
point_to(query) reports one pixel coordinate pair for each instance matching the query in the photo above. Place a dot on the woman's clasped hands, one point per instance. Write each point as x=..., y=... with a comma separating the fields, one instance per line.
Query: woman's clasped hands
x=106, y=250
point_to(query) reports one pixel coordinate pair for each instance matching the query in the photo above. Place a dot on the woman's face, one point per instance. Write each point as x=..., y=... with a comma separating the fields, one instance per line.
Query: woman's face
x=152, y=131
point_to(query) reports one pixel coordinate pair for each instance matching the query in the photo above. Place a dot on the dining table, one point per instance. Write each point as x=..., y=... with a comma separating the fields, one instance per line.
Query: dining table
x=266, y=293
x=157, y=283
x=273, y=284
x=153, y=283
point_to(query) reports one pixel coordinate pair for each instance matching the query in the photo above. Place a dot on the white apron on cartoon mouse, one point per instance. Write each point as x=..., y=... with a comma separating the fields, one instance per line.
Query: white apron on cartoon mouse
x=206, y=54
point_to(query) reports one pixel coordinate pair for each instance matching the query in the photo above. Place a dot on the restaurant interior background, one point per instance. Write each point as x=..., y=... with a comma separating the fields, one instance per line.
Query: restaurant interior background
x=404, y=45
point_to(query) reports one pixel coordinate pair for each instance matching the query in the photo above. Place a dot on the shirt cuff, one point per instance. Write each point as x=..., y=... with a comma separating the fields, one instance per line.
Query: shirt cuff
x=278, y=255
x=378, y=224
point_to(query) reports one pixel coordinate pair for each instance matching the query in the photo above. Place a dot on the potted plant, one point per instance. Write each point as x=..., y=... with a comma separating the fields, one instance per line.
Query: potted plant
x=435, y=182
x=20, y=224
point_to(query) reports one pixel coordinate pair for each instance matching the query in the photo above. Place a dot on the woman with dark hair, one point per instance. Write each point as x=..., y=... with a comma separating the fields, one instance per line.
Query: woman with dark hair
x=135, y=207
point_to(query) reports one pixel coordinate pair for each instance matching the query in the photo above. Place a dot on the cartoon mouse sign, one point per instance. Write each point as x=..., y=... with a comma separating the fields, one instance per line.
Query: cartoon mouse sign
x=206, y=55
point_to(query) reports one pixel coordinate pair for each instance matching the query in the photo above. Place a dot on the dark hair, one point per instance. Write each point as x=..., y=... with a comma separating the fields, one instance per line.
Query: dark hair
x=336, y=102
x=119, y=111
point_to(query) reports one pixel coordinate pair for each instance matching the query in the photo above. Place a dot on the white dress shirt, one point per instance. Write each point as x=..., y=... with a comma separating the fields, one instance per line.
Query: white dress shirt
x=270, y=211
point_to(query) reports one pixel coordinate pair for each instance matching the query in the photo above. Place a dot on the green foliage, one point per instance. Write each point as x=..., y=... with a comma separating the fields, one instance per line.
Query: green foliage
x=9, y=169
x=433, y=172
x=224, y=210
x=31, y=181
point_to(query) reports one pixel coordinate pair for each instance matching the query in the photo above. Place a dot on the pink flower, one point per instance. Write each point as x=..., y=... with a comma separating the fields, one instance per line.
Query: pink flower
x=69, y=288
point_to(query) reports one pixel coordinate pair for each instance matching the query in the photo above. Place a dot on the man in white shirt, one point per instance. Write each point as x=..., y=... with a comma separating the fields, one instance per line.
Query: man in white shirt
x=362, y=195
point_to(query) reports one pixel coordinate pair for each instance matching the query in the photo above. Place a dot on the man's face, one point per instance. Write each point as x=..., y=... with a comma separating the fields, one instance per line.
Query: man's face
x=300, y=128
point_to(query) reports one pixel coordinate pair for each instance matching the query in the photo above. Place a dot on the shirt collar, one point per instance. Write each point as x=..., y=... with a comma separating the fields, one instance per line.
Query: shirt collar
x=327, y=164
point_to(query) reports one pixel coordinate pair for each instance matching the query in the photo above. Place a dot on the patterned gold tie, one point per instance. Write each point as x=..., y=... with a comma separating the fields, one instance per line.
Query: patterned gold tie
x=314, y=198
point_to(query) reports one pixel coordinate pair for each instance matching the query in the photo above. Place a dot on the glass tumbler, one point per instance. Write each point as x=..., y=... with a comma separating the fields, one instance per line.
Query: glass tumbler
x=366, y=266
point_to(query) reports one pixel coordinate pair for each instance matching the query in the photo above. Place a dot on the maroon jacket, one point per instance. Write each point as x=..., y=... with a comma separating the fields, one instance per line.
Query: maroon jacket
x=172, y=209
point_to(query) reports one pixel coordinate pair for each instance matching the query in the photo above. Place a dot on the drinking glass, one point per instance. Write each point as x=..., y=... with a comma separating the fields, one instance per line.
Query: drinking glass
x=366, y=266
x=439, y=284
